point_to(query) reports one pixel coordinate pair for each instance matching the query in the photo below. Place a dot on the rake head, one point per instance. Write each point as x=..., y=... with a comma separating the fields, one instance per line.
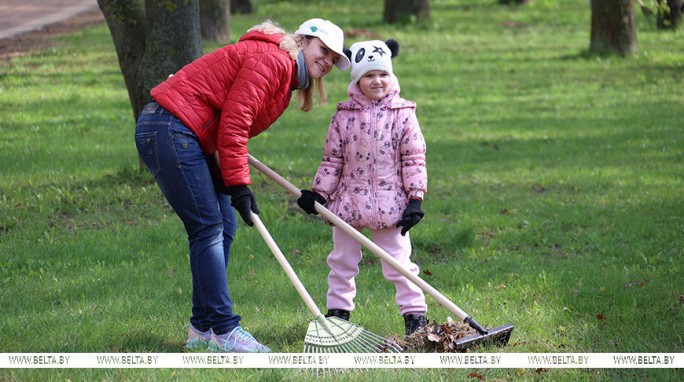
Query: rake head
x=335, y=335
x=497, y=336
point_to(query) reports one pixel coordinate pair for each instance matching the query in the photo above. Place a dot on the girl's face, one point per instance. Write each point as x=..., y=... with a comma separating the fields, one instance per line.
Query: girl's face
x=318, y=57
x=375, y=84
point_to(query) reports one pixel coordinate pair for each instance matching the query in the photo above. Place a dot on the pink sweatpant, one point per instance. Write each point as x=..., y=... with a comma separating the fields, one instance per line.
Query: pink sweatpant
x=344, y=266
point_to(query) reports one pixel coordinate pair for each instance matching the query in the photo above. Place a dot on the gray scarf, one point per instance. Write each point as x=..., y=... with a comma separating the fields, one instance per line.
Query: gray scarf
x=302, y=72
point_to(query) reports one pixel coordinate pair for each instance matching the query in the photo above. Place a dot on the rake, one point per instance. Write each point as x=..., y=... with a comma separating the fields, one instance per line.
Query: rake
x=499, y=335
x=327, y=334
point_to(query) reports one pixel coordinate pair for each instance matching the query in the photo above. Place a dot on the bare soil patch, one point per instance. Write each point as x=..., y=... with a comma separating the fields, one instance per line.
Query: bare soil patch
x=42, y=39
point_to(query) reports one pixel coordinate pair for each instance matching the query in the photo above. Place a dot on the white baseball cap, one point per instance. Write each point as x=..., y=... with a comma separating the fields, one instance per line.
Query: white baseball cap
x=330, y=34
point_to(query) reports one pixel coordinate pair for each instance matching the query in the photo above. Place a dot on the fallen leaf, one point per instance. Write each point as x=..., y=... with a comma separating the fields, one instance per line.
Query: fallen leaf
x=639, y=283
x=446, y=329
x=600, y=316
x=434, y=337
x=427, y=272
x=476, y=375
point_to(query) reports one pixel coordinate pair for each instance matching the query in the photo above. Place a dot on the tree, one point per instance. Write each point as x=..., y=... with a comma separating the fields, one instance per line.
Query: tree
x=153, y=39
x=403, y=10
x=613, y=29
x=240, y=6
x=514, y=1
x=669, y=13
x=215, y=20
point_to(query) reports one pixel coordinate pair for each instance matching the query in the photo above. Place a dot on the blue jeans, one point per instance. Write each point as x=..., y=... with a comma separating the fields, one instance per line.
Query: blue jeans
x=173, y=155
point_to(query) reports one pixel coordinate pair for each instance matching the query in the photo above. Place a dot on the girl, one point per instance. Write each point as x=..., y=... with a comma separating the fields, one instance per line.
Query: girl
x=373, y=176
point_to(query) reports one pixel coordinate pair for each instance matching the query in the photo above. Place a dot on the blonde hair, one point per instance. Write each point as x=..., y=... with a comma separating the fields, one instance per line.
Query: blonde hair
x=305, y=97
x=292, y=45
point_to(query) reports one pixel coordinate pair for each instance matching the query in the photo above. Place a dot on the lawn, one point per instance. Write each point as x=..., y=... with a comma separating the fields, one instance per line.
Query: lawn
x=556, y=198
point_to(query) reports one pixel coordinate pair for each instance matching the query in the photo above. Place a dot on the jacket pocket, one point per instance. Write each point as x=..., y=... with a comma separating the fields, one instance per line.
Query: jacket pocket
x=212, y=121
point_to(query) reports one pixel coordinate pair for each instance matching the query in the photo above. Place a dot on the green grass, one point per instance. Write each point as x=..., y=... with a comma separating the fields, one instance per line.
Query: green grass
x=556, y=197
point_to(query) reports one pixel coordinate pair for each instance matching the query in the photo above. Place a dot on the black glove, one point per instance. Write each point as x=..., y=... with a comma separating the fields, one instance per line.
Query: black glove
x=244, y=201
x=411, y=217
x=308, y=199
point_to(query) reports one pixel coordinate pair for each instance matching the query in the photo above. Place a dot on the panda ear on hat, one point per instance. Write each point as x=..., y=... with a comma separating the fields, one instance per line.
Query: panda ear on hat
x=347, y=53
x=393, y=46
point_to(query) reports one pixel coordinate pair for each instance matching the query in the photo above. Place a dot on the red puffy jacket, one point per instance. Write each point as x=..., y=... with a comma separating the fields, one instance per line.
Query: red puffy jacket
x=230, y=95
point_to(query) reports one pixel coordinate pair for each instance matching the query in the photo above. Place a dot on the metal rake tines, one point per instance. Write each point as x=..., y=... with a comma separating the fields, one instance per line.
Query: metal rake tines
x=340, y=336
x=365, y=343
x=344, y=337
x=321, y=371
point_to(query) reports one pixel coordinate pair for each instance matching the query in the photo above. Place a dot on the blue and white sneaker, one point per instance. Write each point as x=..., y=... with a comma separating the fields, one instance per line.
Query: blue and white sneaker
x=237, y=341
x=197, y=339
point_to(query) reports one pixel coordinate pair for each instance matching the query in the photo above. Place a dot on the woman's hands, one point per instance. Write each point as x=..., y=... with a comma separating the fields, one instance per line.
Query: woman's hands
x=243, y=201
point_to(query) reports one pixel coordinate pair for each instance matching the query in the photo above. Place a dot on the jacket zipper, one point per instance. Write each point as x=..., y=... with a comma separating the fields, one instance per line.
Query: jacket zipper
x=374, y=198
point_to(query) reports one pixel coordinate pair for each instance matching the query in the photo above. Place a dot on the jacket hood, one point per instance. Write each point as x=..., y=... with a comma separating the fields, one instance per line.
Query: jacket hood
x=273, y=38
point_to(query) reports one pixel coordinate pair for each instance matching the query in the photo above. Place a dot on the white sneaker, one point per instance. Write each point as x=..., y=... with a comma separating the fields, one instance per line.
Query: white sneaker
x=237, y=341
x=197, y=339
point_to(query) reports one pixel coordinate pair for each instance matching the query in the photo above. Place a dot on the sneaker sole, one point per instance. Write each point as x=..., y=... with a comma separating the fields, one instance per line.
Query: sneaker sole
x=196, y=344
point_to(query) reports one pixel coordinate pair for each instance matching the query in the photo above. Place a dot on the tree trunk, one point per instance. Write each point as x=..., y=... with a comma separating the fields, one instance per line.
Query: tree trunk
x=405, y=10
x=126, y=21
x=173, y=39
x=670, y=14
x=215, y=20
x=240, y=6
x=613, y=29
x=153, y=39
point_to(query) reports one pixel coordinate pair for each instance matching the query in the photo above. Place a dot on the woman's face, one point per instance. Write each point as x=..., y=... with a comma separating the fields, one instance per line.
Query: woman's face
x=318, y=57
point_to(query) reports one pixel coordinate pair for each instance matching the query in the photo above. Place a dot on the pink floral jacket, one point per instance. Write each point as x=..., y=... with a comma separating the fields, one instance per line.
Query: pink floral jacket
x=373, y=159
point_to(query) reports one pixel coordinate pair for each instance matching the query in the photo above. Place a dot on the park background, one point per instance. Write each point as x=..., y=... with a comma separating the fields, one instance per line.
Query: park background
x=555, y=199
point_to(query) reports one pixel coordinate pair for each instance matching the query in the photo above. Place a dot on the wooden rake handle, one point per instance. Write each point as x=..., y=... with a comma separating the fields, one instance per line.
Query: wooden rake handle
x=358, y=236
x=294, y=279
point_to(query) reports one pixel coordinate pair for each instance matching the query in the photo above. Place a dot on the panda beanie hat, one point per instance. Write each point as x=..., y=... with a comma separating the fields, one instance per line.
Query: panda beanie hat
x=371, y=55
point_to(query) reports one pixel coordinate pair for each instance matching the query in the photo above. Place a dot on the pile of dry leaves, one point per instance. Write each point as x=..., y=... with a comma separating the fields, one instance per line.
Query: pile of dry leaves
x=435, y=338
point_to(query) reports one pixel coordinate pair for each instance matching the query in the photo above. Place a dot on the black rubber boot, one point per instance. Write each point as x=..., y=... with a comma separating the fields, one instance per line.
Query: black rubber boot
x=339, y=313
x=414, y=322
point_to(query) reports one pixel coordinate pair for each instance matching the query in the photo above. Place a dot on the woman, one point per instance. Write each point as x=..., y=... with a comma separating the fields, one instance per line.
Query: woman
x=193, y=139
